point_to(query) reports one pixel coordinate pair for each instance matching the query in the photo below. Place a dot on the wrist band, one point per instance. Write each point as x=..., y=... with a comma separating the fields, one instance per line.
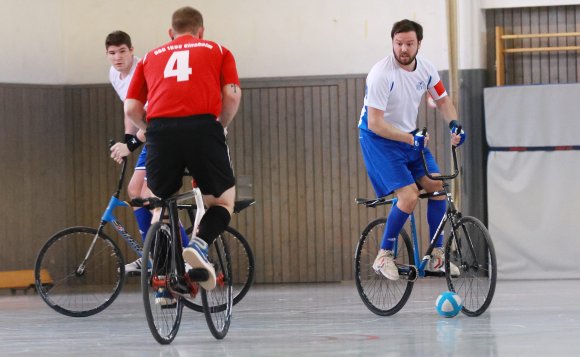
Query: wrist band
x=132, y=142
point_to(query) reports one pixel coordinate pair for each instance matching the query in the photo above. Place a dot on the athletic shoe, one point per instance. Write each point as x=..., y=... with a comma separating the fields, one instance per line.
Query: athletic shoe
x=135, y=268
x=187, y=267
x=385, y=264
x=164, y=298
x=437, y=263
x=196, y=255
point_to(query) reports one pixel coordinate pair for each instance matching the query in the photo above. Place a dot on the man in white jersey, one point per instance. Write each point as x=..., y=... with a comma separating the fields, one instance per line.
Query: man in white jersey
x=391, y=143
x=123, y=62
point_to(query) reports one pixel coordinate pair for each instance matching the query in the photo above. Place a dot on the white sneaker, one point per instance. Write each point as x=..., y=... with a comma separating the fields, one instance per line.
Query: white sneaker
x=134, y=268
x=437, y=263
x=196, y=255
x=385, y=264
x=187, y=267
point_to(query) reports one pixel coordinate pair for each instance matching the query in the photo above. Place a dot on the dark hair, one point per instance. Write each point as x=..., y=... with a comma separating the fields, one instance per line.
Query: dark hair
x=407, y=26
x=186, y=19
x=118, y=38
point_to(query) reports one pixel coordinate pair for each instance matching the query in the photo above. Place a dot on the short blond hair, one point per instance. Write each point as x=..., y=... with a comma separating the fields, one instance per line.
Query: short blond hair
x=186, y=19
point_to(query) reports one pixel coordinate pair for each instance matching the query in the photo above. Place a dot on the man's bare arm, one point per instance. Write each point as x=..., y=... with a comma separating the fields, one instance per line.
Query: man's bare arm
x=231, y=96
x=134, y=110
x=379, y=126
x=447, y=109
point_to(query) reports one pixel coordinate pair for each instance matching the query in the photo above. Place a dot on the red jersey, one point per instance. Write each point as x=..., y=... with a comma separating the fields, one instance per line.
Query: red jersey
x=183, y=77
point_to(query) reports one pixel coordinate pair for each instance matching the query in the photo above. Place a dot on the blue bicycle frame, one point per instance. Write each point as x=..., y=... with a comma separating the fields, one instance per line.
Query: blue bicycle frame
x=421, y=264
x=108, y=216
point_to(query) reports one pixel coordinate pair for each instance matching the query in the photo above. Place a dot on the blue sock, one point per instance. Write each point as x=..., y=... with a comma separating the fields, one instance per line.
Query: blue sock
x=143, y=216
x=395, y=223
x=184, y=237
x=435, y=213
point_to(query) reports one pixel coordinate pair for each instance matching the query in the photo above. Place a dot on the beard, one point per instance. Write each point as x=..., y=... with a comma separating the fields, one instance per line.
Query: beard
x=407, y=60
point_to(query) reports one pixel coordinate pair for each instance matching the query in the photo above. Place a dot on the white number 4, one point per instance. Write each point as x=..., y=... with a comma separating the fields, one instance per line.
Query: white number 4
x=178, y=66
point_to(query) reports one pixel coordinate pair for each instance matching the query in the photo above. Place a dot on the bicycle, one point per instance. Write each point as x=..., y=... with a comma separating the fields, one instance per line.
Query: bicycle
x=162, y=251
x=86, y=268
x=243, y=266
x=468, y=245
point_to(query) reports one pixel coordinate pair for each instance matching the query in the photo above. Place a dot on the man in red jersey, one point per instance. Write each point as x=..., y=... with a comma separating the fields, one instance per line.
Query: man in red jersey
x=192, y=89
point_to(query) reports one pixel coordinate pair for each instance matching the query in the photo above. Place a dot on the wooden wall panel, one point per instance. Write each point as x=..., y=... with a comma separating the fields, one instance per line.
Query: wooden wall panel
x=95, y=116
x=32, y=155
x=298, y=141
x=294, y=146
x=535, y=67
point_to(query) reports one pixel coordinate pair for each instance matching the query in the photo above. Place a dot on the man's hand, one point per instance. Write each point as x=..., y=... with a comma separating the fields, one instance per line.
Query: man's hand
x=119, y=151
x=456, y=138
x=420, y=141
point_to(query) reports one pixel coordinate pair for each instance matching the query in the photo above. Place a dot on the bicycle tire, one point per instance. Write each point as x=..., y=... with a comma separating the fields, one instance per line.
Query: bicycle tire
x=243, y=267
x=470, y=248
x=73, y=290
x=382, y=296
x=218, y=302
x=163, y=321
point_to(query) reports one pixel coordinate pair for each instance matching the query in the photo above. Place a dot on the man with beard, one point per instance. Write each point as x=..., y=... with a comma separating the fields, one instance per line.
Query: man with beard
x=391, y=144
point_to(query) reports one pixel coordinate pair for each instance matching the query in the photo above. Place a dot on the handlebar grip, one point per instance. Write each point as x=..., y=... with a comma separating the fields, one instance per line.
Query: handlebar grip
x=111, y=143
x=457, y=132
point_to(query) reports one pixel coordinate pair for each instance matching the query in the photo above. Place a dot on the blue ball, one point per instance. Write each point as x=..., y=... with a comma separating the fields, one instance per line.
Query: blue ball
x=448, y=304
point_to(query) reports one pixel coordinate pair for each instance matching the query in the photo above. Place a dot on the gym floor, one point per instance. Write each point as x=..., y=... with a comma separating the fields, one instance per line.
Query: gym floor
x=526, y=318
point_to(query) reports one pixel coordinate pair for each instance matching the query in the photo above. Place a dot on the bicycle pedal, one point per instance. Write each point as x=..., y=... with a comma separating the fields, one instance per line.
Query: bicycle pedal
x=198, y=274
x=408, y=272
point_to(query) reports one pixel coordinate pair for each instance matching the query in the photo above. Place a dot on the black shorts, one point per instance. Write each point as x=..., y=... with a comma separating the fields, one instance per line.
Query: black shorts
x=197, y=143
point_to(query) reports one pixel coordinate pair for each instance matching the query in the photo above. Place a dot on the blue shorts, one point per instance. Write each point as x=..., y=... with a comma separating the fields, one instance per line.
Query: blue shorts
x=392, y=164
x=142, y=159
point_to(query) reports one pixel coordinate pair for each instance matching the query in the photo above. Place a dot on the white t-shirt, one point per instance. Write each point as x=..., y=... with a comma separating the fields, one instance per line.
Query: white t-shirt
x=398, y=92
x=122, y=85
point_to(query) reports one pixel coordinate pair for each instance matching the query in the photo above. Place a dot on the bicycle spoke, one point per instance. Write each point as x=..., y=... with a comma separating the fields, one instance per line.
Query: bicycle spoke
x=69, y=292
x=471, y=250
x=163, y=315
x=381, y=295
x=218, y=302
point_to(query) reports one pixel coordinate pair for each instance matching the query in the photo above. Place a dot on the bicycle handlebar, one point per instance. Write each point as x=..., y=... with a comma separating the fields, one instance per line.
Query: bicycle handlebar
x=455, y=166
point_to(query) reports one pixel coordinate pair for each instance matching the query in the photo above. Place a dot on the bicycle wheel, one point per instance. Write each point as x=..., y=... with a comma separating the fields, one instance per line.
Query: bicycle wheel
x=242, y=266
x=78, y=272
x=383, y=296
x=218, y=302
x=163, y=320
x=470, y=248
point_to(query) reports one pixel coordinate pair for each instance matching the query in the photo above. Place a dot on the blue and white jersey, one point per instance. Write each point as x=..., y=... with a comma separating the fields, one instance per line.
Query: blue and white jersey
x=398, y=92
